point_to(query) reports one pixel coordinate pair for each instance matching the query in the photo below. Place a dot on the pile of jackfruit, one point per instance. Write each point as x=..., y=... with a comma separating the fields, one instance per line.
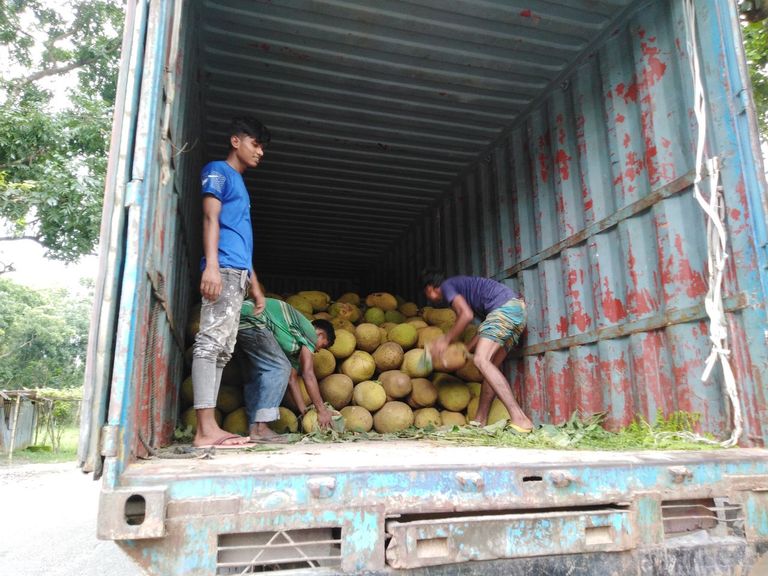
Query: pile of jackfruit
x=375, y=376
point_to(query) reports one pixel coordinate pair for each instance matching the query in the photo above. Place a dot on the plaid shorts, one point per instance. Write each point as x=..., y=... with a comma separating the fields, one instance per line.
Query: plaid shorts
x=505, y=324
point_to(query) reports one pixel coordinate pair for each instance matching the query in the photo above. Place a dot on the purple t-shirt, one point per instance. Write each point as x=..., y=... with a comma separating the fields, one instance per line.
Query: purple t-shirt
x=482, y=294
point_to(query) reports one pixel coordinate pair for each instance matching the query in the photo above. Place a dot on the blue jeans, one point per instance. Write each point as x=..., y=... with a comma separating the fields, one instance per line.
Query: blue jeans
x=266, y=370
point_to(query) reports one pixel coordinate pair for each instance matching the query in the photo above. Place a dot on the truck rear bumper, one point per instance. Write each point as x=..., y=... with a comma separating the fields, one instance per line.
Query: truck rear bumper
x=371, y=506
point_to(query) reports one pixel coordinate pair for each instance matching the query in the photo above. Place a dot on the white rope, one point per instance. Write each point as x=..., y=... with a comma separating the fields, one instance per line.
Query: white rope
x=716, y=241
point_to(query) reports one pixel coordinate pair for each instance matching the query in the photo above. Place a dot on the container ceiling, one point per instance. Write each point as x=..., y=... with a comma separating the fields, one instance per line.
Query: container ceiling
x=376, y=107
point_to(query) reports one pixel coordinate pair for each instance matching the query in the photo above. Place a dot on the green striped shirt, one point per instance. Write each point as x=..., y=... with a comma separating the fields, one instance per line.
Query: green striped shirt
x=289, y=327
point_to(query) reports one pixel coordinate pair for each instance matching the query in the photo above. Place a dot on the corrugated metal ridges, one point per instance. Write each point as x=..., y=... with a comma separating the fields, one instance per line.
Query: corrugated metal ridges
x=376, y=108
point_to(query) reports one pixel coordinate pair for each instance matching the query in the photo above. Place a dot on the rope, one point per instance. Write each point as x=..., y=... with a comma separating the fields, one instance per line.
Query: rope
x=707, y=194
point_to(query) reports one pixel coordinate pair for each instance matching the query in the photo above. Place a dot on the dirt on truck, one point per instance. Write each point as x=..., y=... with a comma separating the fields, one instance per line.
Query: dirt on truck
x=599, y=157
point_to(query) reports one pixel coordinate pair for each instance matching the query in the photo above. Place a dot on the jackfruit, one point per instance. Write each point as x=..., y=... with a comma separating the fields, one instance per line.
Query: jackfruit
x=230, y=398
x=193, y=323
x=428, y=334
x=368, y=337
x=374, y=315
x=357, y=419
x=396, y=384
x=309, y=421
x=439, y=316
x=343, y=324
x=388, y=356
x=319, y=300
x=453, y=396
x=189, y=418
x=359, y=366
x=349, y=298
x=336, y=389
x=344, y=310
x=369, y=394
x=497, y=412
x=423, y=393
x=286, y=423
x=426, y=417
x=344, y=345
x=393, y=417
x=408, y=309
x=452, y=418
x=383, y=300
x=394, y=316
x=300, y=303
x=453, y=358
x=414, y=364
x=236, y=422
x=324, y=363
x=186, y=393
x=404, y=334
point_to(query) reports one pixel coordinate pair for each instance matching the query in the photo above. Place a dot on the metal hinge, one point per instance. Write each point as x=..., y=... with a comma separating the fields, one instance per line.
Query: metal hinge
x=109, y=441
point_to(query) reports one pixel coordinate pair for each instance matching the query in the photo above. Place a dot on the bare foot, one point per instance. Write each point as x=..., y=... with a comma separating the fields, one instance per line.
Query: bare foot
x=223, y=440
x=260, y=431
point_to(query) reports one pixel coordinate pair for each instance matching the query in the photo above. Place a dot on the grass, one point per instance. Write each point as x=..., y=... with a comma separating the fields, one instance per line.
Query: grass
x=45, y=454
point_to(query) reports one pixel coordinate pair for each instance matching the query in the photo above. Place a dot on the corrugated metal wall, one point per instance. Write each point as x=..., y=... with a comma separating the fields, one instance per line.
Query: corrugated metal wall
x=583, y=202
x=375, y=107
x=587, y=206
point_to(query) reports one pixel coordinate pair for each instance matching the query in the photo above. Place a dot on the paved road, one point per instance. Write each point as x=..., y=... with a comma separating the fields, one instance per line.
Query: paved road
x=48, y=524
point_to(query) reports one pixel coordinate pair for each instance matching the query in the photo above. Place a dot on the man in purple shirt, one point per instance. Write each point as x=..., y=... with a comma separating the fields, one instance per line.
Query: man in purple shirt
x=504, y=315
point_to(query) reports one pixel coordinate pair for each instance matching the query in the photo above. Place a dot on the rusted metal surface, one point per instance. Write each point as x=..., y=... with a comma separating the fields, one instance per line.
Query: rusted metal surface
x=607, y=242
x=475, y=502
x=545, y=144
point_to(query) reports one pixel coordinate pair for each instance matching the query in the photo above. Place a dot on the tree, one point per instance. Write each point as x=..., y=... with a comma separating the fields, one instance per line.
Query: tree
x=53, y=158
x=756, y=49
x=43, y=337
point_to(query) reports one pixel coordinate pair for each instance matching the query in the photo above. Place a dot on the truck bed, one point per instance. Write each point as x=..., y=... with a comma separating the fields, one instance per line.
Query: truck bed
x=405, y=455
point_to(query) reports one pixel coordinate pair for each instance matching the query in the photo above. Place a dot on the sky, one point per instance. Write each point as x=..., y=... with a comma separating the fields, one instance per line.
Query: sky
x=37, y=272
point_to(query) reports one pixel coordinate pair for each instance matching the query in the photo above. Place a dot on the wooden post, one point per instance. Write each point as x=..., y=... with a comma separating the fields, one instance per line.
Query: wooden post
x=13, y=428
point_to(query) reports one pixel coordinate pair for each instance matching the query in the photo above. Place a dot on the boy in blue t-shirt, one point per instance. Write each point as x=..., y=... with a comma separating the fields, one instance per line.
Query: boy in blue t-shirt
x=504, y=315
x=227, y=272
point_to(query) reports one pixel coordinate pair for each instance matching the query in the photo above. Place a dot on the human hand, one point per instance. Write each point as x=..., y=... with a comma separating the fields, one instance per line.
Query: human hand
x=438, y=347
x=324, y=417
x=259, y=301
x=210, y=283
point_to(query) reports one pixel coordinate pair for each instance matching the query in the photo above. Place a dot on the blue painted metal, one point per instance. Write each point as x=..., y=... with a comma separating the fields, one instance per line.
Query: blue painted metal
x=550, y=149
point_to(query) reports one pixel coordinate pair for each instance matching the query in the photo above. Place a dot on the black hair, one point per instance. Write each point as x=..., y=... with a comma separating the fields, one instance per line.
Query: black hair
x=326, y=327
x=432, y=277
x=249, y=126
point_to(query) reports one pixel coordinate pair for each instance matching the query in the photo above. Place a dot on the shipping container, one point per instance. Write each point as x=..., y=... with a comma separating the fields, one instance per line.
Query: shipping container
x=556, y=145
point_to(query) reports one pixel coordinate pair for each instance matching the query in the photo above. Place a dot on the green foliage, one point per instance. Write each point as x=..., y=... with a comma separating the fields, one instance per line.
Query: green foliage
x=53, y=159
x=578, y=433
x=756, y=48
x=45, y=454
x=43, y=337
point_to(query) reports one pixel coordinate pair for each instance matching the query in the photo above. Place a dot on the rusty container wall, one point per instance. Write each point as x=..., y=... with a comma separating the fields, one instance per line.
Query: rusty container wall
x=586, y=204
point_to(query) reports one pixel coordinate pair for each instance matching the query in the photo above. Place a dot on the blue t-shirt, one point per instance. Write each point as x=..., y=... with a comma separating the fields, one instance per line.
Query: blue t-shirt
x=226, y=184
x=482, y=294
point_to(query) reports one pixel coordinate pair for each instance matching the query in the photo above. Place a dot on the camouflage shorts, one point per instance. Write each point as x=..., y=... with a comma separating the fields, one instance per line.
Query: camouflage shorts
x=505, y=324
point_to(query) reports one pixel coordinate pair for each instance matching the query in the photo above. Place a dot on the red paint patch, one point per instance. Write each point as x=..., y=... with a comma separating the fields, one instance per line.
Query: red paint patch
x=620, y=118
x=562, y=326
x=627, y=140
x=528, y=13
x=562, y=159
x=580, y=319
x=613, y=308
x=634, y=166
x=735, y=214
